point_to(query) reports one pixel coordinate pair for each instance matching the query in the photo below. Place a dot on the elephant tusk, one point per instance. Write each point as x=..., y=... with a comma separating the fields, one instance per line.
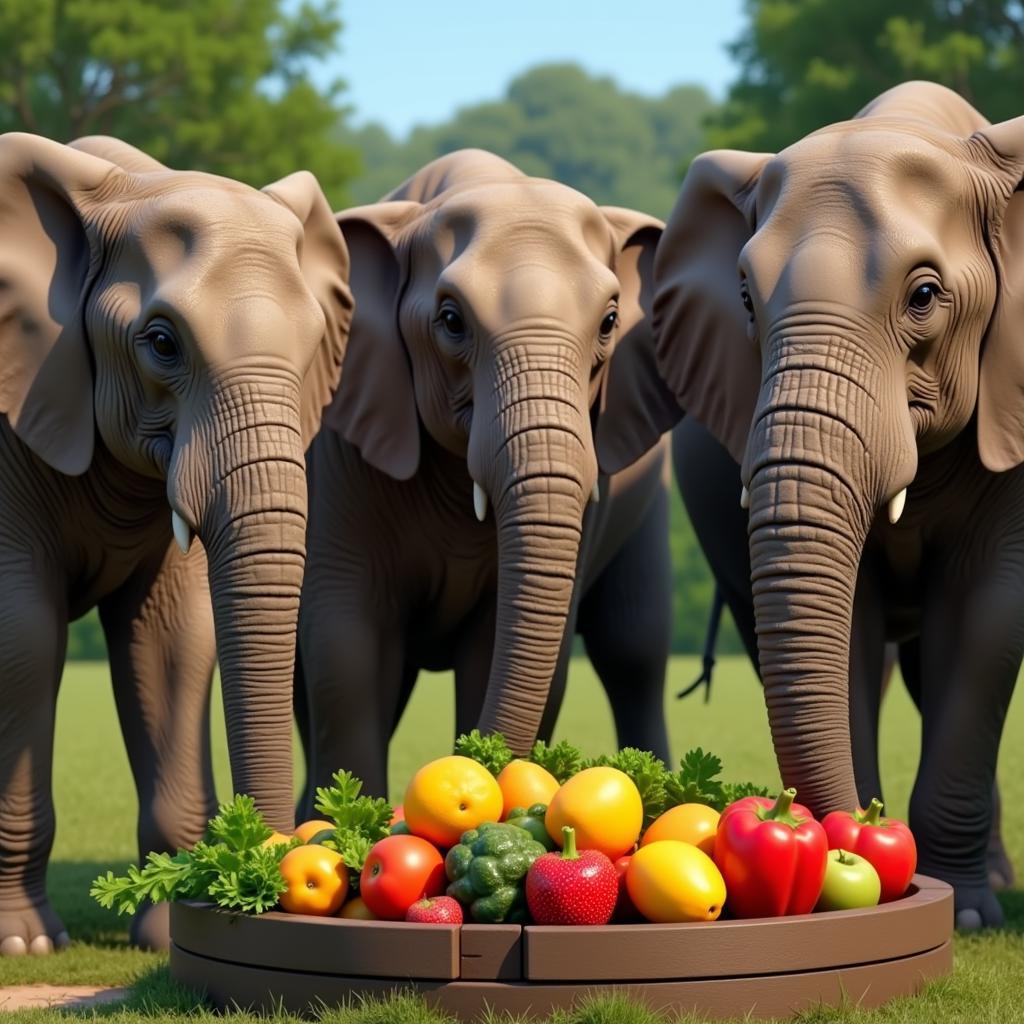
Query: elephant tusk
x=479, y=501
x=182, y=531
x=595, y=494
x=896, y=506
x=744, y=498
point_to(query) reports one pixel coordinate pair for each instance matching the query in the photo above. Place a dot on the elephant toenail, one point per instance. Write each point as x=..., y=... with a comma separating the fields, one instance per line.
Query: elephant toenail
x=969, y=920
x=13, y=945
x=41, y=945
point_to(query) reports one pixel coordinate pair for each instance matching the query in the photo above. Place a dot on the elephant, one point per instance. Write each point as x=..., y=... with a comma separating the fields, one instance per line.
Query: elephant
x=168, y=341
x=495, y=363
x=846, y=318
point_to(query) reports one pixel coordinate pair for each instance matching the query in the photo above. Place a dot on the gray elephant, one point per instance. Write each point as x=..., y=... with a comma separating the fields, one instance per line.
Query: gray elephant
x=846, y=319
x=167, y=344
x=473, y=466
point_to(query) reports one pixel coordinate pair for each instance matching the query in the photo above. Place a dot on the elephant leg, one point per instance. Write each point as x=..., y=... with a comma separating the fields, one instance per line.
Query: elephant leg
x=162, y=645
x=33, y=639
x=867, y=670
x=625, y=620
x=300, y=709
x=353, y=667
x=472, y=664
x=709, y=483
x=971, y=646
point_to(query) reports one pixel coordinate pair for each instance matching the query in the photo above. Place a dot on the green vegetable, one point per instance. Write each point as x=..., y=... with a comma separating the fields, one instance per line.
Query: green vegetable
x=491, y=751
x=229, y=867
x=697, y=782
x=487, y=871
x=360, y=821
x=532, y=819
x=563, y=760
x=648, y=774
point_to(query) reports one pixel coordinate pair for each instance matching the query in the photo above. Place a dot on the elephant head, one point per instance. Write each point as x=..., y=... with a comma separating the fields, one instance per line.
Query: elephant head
x=832, y=314
x=488, y=309
x=191, y=329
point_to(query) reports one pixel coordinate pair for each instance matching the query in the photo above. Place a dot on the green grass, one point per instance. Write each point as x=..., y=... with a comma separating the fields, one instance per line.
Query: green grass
x=96, y=830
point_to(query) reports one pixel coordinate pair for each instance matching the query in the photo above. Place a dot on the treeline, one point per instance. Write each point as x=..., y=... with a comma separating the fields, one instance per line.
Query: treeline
x=228, y=87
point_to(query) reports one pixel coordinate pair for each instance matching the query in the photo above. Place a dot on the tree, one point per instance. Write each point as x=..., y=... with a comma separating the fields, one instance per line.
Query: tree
x=559, y=122
x=215, y=85
x=807, y=63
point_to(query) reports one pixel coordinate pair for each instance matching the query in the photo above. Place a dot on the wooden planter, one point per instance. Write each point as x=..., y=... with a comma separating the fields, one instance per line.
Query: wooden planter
x=770, y=967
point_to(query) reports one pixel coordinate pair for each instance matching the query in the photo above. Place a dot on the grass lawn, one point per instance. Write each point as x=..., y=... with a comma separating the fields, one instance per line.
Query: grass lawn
x=96, y=814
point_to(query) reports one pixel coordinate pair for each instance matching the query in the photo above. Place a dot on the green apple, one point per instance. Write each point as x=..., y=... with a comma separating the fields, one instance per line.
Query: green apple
x=850, y=881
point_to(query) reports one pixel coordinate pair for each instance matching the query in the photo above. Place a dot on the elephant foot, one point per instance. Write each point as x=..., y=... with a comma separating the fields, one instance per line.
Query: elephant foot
x=151, y=927
x=976, y=907
x=28, y=928
x=1001, y=874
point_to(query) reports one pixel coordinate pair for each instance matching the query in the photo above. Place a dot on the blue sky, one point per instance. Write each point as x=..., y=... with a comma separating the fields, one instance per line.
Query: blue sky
x=411, y=62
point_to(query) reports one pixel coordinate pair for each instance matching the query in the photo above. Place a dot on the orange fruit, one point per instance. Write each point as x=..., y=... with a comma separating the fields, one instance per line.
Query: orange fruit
x=603, y=805
x=448, y=796
x=277, y=839
x=524, y=784
x=695, y=824
x=317, y=881
x=308, y=829
x=357, y=910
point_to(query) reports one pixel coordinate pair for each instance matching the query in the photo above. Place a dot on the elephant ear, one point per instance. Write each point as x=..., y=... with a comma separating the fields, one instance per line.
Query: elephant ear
x=375, y=408
x=635, y=407
x=1001, y=378
x=48, y=253
x=324, y=261
x=703, y=347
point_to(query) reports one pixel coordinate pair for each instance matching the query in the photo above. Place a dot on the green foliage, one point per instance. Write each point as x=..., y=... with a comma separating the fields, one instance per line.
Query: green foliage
x=360, y=821
x=562, y=760
x=697, y=782
x=807, y=63
x=557, y=121
x=491, y=751
x=212, y=85
x=229, y=867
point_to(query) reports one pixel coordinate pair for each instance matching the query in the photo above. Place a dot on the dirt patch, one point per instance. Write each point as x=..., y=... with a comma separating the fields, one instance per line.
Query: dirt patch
x=35, y=997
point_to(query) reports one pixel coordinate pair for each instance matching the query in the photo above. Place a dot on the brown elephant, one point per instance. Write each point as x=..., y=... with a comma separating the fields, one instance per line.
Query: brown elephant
x=168, y=341
x=500, y=329
x=847, y=319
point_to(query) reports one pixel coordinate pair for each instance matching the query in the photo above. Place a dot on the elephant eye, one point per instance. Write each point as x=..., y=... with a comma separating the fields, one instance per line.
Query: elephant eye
x=162, y=343
x=748, y=302
x=611, y=318
x=922, y=297
x=453, y=324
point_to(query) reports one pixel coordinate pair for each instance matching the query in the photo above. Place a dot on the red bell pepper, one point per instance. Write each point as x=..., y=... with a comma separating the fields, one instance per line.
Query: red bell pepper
x=771, y=855
x=886, y=843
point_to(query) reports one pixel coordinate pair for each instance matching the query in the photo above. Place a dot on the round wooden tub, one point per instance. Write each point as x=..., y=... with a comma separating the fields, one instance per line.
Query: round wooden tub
x=770, y=967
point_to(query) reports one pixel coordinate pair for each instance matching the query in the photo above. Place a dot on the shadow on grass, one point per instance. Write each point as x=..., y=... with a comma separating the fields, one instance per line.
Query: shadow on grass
x=1012, y=901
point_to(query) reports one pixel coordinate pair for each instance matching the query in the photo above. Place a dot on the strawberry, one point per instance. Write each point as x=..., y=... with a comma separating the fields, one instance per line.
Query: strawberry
x=439, y=910
x=571, y=887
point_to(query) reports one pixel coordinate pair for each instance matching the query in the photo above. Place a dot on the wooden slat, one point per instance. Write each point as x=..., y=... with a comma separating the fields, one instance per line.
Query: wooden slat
x=912, y=925
x=492, y=952
x=235, y=985
x=318, y=945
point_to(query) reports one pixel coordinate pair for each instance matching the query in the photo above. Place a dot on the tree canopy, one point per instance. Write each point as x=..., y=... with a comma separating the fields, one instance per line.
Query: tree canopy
x=557, y=121
x=212, y=85
x=807, y=63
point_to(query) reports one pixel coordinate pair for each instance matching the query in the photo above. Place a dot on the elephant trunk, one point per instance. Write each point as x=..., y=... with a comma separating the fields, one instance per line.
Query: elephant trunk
x=538, y=467
x=815, y=482
x=252, y=521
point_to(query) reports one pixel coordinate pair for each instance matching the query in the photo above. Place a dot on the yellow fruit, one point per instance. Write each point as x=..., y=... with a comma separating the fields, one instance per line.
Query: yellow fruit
x=317, y=881
x=524, y=784
x=448, y=796
x=277, y=839
x=670, y=881
x=357, y=910
x=603, y=806
x=688, y=823
x=308, y=829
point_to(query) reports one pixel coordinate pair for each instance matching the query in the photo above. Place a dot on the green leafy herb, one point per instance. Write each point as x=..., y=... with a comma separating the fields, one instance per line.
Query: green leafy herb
x=160, y=878
x=738, y=790
x=648, y=774
x=238, y=825
x=697, y=782
x=360, y=821
x=492, y=751
x=562, y=760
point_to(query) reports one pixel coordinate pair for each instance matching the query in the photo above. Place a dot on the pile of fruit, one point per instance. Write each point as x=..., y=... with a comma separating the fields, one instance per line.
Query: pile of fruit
x=482, y=836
